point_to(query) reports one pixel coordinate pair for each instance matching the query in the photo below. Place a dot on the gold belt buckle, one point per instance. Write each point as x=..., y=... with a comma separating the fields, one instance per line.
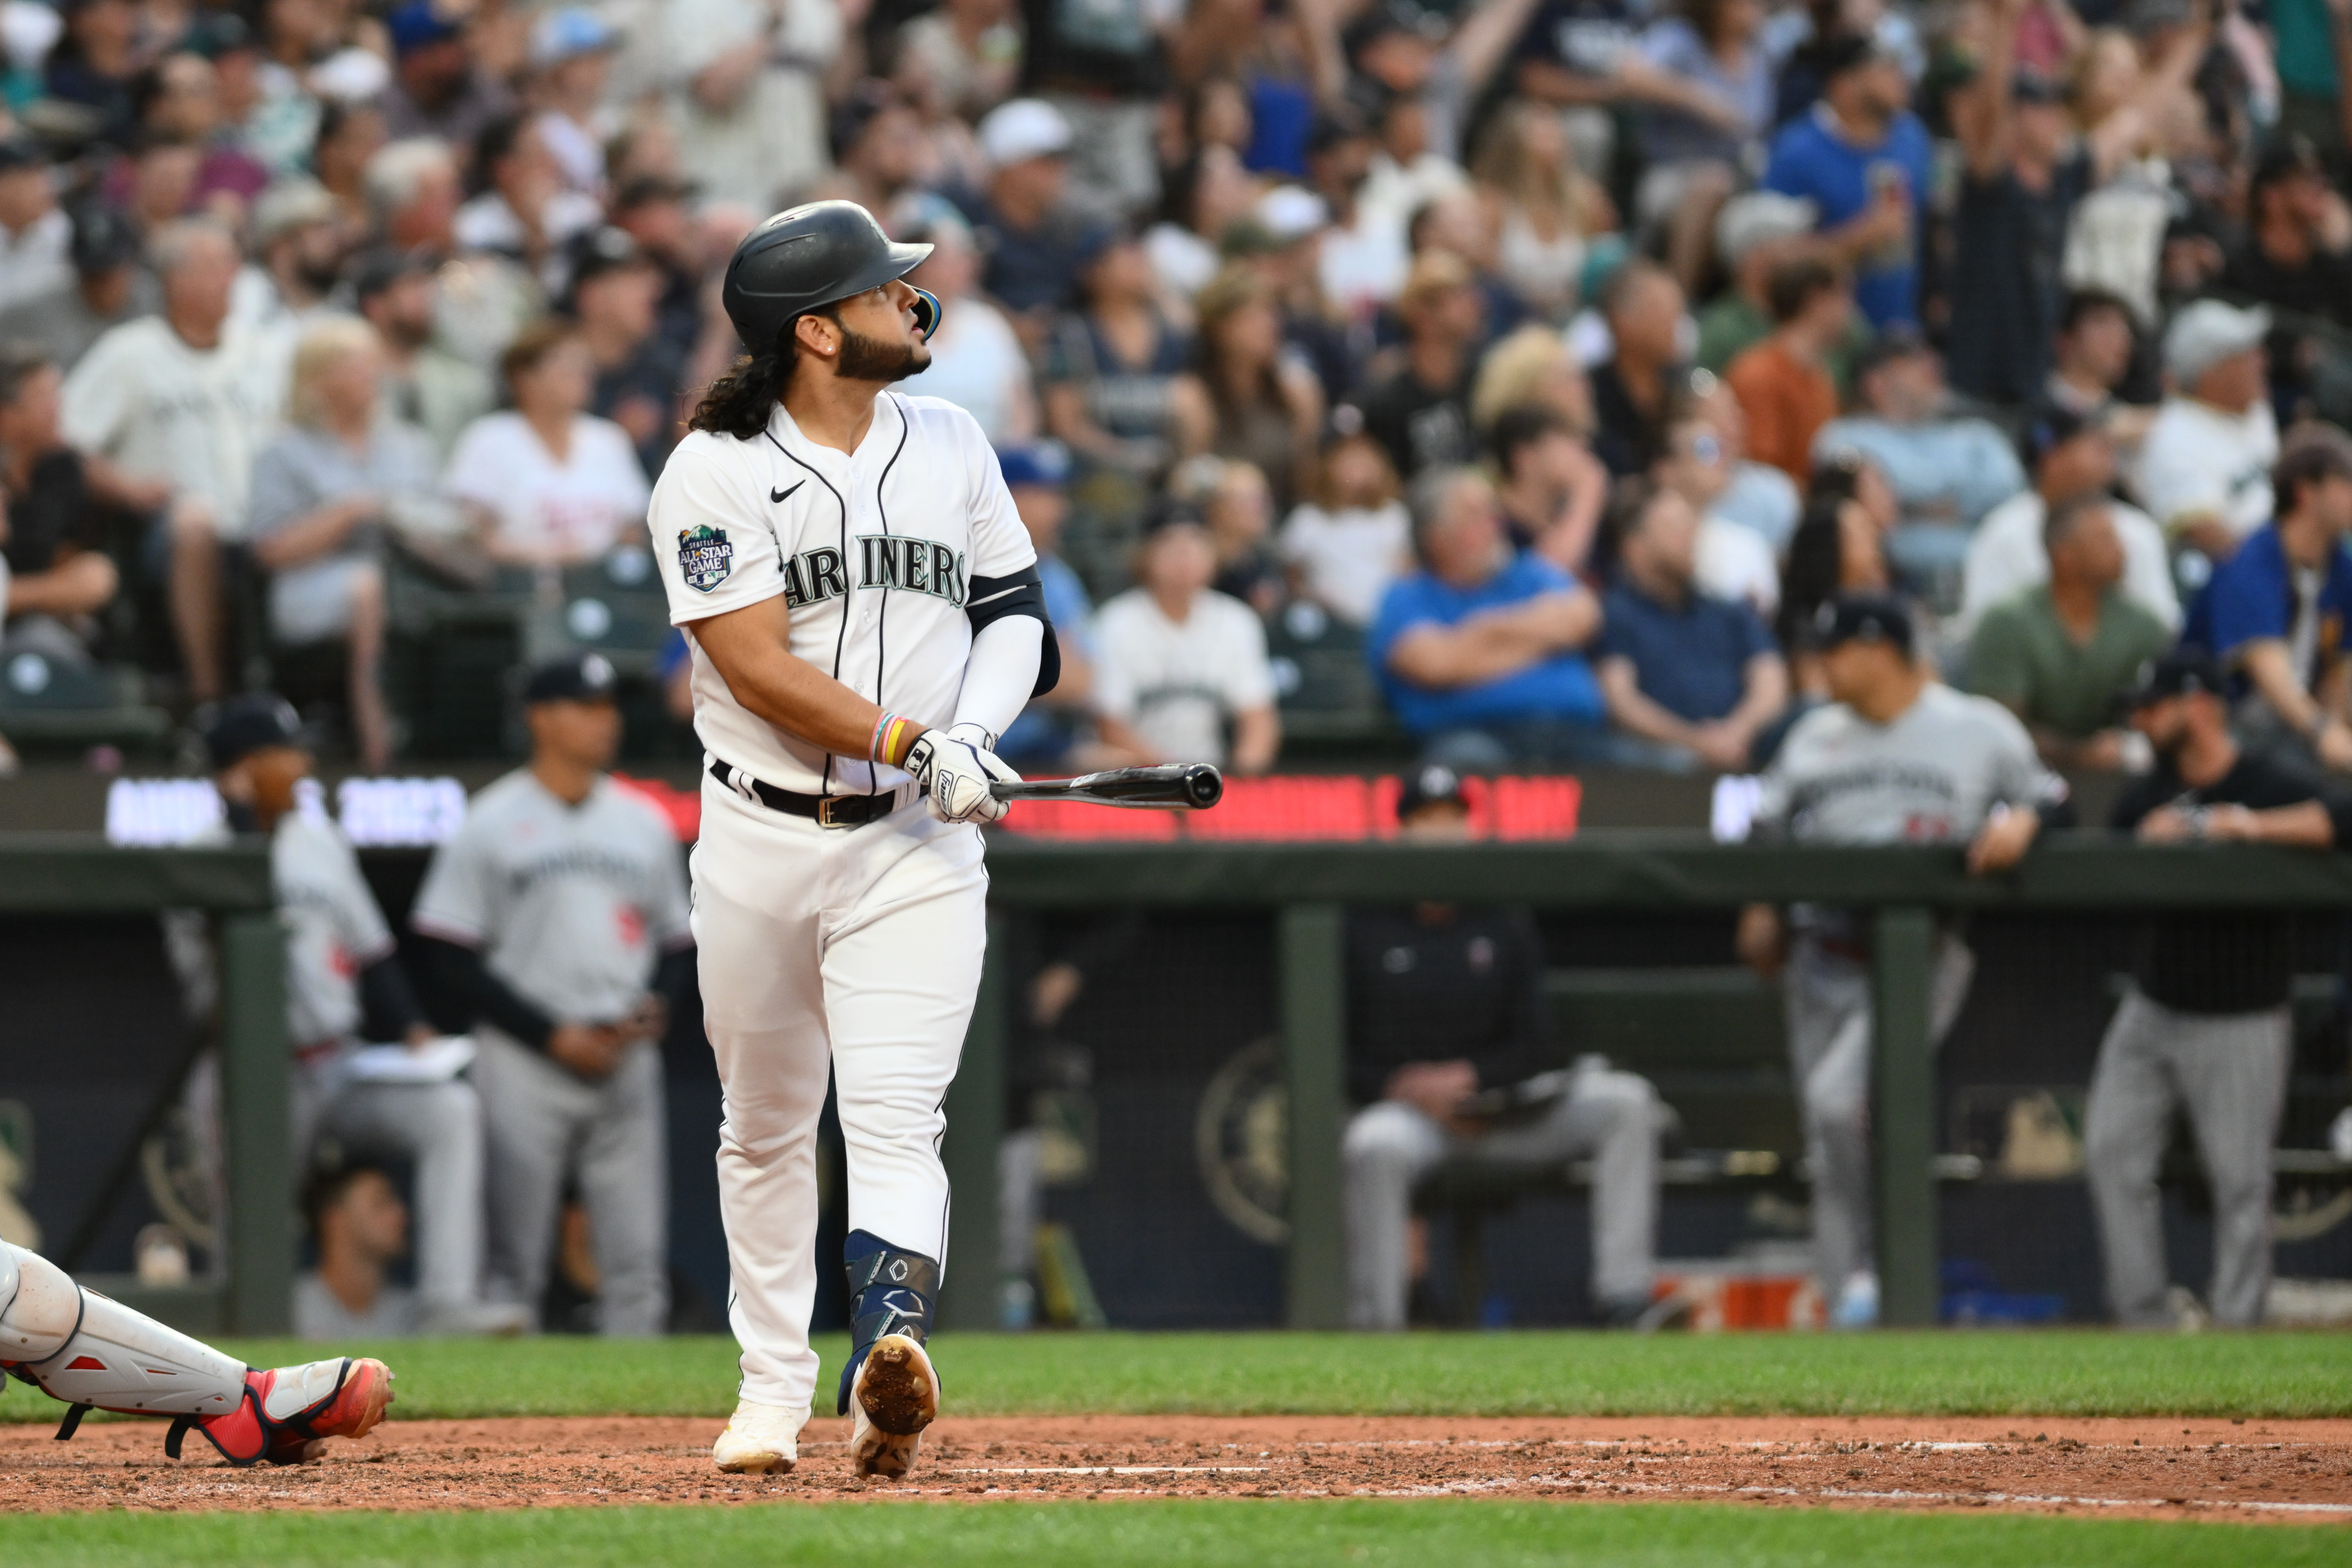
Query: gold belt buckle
x=825, y=817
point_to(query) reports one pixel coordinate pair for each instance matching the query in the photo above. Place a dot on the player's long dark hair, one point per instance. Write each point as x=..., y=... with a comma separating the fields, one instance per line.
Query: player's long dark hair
x=740, y=403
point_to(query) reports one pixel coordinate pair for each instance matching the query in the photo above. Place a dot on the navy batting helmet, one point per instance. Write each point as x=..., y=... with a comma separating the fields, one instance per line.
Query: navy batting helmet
x=810, y=256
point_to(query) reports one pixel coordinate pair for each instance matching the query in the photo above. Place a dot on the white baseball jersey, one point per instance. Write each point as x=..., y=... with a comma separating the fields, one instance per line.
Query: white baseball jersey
x=333, y=929
x=571, y=905
x=873, y=552
x=1179, y=681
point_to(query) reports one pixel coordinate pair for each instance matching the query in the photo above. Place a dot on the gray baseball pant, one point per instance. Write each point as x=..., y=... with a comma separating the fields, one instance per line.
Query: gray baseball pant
x=1611, y=1117
x=438, y=1126
x=545, y=1123
x=2229, y=1070
x=1831, y=1038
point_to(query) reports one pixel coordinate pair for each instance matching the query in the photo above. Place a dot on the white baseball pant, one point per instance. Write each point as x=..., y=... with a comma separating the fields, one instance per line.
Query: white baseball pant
x=853, y=948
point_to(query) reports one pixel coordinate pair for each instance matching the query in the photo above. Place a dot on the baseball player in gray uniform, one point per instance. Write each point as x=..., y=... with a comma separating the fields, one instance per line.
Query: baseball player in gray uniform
x=552, y=914
x=1894, y=757
x=865, y=618
x=342, y=973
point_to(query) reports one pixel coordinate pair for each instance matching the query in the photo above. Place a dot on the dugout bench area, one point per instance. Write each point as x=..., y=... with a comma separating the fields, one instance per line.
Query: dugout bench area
x=1707, y=1035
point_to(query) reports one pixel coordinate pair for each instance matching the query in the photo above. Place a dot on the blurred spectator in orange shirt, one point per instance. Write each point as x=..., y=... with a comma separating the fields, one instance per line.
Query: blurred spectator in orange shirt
x=1783, y=383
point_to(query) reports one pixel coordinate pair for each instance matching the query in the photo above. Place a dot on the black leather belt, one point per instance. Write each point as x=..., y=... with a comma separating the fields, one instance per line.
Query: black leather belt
x=825, y=810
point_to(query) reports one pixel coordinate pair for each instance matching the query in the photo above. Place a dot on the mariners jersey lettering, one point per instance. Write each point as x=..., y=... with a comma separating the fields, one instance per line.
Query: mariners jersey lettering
x=872, y=552
x=571, y=905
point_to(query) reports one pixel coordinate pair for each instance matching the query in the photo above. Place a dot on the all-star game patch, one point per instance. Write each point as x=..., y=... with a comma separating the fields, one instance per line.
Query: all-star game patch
x=704, y=556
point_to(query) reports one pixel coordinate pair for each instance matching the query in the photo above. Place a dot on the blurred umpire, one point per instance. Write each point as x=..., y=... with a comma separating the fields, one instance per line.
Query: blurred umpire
x=1445, y=1006
x=557, y=917
x=2205, y=1026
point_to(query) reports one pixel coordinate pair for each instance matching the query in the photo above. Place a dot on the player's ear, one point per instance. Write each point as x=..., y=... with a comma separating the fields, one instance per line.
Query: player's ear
x=819, y=335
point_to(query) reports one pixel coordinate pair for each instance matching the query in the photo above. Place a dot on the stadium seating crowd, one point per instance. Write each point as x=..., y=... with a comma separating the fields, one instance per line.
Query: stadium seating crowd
x=344, y=340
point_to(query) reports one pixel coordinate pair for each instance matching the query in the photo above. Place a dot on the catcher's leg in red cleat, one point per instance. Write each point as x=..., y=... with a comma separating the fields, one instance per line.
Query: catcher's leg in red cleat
x=96, y=1353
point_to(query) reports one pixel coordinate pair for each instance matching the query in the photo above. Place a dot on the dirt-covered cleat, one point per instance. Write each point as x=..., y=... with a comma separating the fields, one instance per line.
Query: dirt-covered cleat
x=897, y=1395
x=289, y=1412
x=759, y=1439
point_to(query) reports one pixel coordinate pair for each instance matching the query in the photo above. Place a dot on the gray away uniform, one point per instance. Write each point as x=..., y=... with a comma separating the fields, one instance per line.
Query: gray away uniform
x=1932, y=776
x=334, y=931
x=571, y=907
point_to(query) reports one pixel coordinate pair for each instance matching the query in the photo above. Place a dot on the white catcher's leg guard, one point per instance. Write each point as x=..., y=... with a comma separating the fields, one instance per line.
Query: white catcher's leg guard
x=89, y=1349
x=97, y=1353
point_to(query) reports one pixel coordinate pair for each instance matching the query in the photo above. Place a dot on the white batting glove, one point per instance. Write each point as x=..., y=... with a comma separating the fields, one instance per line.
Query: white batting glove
x=954, y=770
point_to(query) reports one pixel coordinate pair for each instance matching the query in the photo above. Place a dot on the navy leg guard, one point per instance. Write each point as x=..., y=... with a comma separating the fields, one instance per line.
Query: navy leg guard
x=890, y=1293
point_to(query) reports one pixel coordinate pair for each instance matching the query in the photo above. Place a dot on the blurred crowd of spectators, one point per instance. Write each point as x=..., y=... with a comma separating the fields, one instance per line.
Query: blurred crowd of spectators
x=1551, y=361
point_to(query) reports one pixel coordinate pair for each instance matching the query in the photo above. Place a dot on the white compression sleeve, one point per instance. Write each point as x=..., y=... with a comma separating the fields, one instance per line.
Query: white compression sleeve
x=1001, y=672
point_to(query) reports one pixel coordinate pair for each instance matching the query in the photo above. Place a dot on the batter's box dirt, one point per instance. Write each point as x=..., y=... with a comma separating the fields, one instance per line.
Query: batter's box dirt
x=2299, y=1470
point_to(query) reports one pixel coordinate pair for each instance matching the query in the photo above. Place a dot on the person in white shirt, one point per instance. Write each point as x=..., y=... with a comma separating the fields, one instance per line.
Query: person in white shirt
x=2204, y=470
x=526, y=214
x=1733, y=560
x=977, y=361
x=561, y=486
x=572, y=51
x=1177, y=661
x=34, y=233
x=183, y=401
x=1354, y=538
x=2070, y=454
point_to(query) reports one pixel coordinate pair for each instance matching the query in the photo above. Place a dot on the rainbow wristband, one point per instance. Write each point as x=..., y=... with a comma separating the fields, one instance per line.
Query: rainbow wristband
x=893, y=738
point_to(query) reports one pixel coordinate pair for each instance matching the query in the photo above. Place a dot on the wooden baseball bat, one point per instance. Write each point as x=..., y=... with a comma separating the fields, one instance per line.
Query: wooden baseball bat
x=1188, y=786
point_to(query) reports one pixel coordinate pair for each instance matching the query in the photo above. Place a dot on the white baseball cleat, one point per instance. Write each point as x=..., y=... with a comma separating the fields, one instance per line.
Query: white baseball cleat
x=897, y=1395
x=759, y=1439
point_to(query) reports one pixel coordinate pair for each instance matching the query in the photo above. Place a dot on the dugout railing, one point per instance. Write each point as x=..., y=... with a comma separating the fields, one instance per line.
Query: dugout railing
x=1305, y=889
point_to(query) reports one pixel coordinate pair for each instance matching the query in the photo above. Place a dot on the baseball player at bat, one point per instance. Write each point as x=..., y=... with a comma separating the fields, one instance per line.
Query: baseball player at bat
x=1894, y=757
x=865, y=615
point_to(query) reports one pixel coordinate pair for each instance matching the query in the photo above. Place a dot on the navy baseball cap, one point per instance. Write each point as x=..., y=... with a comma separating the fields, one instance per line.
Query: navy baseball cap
x=1039, y=463
x=243, y=725
x=574, y=678
x=419, y=25
x=1862, y=617
x=1433, y=785
x=2182, y=672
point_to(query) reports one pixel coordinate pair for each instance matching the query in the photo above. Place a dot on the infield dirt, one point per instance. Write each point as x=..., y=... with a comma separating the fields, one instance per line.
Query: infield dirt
x=2279, y=1469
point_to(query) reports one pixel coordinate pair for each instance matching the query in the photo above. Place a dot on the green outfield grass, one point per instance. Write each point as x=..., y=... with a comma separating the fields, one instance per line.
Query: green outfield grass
x=1113, y=1534
x=2065, y=1373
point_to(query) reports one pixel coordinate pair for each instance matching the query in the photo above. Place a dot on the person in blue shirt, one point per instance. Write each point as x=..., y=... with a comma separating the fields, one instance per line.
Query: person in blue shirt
x=1862, y=158
x=2275, y=613
x=1695, y=675
x=1479, y=653
x=1049, y=731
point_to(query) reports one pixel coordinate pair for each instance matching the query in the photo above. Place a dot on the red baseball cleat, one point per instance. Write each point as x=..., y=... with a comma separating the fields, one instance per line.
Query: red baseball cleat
x=289, y=1412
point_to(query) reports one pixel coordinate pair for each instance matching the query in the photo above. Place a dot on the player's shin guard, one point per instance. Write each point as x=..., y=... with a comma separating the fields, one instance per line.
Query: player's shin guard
x=94, y=1352
x=890, y=1293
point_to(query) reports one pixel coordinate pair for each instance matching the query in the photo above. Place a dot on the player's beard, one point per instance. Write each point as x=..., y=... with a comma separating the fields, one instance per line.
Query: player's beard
x=871, y=359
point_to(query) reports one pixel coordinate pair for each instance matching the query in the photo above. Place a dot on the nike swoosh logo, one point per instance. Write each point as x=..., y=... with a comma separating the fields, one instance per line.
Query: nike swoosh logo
x=784, y=495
